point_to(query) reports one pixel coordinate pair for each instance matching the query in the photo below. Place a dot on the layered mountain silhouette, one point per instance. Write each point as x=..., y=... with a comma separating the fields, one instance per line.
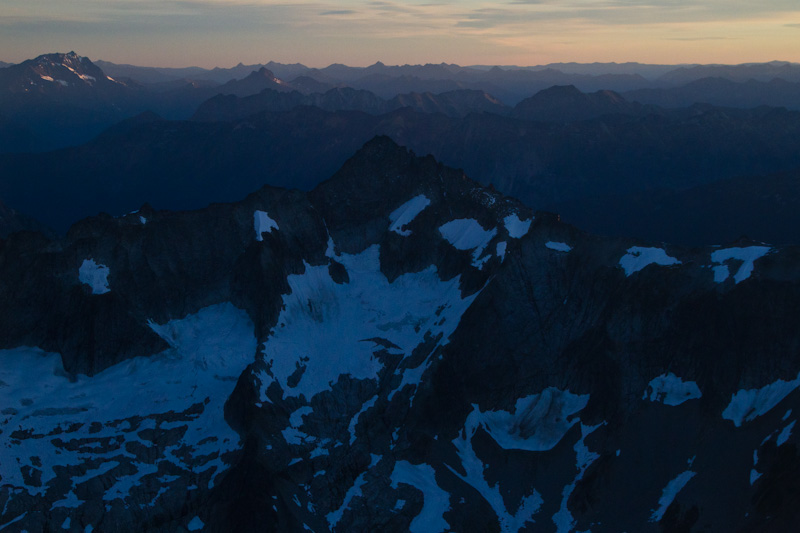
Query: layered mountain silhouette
x=72, y=108
x=187, y=165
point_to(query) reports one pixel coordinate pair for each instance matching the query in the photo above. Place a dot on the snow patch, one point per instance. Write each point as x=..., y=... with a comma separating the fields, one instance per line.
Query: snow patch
x=184, y=387
x=538, y=423
x=516, y=228
x=558, y=246
x=325, y=328
x=196, y=524
x=500, y=250
x=785, y=434
x=403, y=215
x=263, y=224
x=669, y=389
x=94, y=275
x=639, y=257
x=435, y=501
x=747, y=256
x=468, y=234
x=584, y=458
x=292, y=434
x=669, y=493
x=749, y=404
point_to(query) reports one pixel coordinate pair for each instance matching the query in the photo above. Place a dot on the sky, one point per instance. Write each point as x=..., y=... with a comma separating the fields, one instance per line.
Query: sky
x=208, y=33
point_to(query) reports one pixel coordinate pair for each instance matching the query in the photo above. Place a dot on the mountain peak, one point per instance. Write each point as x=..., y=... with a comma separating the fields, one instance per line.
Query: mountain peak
x=566, y=103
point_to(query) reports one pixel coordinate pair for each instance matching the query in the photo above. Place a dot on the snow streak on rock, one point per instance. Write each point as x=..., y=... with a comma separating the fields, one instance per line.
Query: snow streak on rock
x=639, y=257
x=584, y=458
x=94, y=275
x=354, y=491
x=168, y=419
x=668, y=494
x=747, y=256
x=436, y=501
x=785, y=434
x=671, y=390
x=403, y=215
x=749, y=404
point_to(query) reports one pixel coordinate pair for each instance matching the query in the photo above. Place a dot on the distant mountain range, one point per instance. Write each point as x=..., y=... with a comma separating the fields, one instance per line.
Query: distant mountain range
x=562, y=148
x=64, y=99
x=187, y=165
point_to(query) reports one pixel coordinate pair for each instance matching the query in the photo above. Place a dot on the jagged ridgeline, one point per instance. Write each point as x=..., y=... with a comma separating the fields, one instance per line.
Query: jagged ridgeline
x=399, y=349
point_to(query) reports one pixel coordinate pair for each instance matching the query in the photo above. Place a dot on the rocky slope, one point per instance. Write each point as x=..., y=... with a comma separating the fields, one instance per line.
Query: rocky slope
x=399, y=349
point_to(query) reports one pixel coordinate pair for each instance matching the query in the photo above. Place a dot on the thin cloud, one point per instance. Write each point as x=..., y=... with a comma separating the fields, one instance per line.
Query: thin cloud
x=339, y=12
x=703, y=39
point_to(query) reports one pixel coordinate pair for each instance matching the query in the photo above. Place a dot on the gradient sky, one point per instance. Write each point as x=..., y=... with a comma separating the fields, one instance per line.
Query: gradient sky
x=212, y=33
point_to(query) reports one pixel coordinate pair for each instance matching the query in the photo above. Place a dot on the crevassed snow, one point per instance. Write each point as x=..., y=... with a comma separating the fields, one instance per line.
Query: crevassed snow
x=668, y=494
x=407, y=212
x=747, y=256
x=196, y=524
x=324, y=327
x=671, y=390
x=263, y=224
x=558, y=246
x=516, y=228
x=94, y=275
x=468, y=234
x=124, y=403
x=639, y=257
x=538, y=423
x=435, y=501
x=748, y=404
x=785, y=434
x=584, y=458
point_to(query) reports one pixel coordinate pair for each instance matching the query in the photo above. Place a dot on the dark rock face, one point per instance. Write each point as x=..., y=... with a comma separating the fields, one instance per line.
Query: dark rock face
x=399, y=349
